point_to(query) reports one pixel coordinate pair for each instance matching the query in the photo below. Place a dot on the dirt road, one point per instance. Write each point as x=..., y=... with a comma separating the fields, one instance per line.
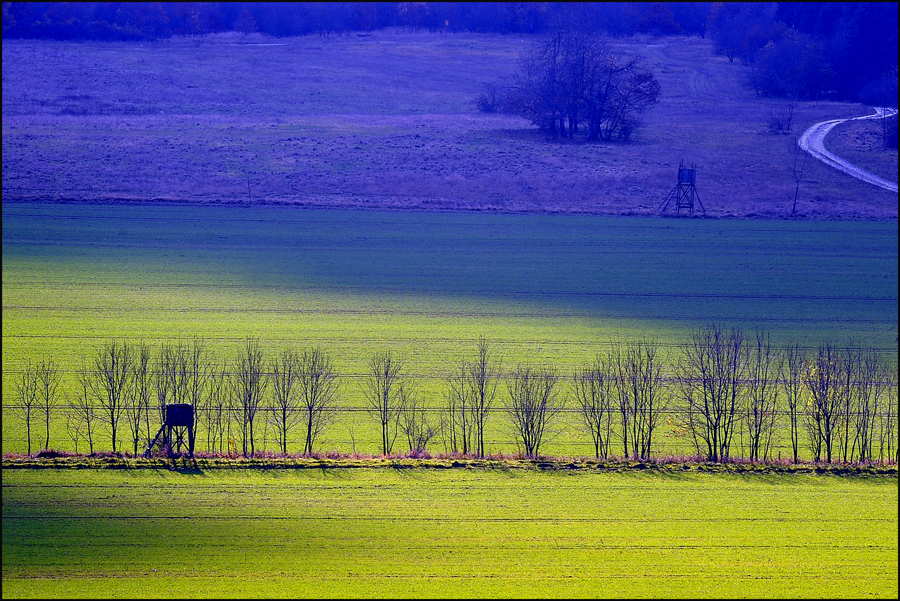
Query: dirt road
x=812, y=141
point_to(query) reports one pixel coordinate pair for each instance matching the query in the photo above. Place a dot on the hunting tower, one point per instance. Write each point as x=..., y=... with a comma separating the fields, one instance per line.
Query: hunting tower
x=178, y=428
x=685, y=191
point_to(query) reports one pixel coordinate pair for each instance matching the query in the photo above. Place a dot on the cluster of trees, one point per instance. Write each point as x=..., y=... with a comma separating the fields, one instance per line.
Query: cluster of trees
x=811, y=50
x=729, y=393
x=151, y=20
x=572, y=80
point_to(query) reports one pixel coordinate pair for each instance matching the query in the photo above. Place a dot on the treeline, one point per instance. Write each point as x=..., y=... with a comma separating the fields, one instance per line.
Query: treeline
x=152, y=20
x=813, y=50
x=731, y=395
x=807, y=50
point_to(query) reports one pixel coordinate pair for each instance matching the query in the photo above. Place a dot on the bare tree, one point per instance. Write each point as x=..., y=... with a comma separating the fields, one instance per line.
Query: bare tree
x=483, y=378
x=888, y=449
x=868, y=391
x=791, y=368
x=162, y=383
x=797, y=158
x=172, y=377
x=27, y=390
x=109, y=379
x=639, y=385
x=198, y=376
x=414, y=421
x=624, y=402
x=219, y=407
x=319, y=389
x=780, y=119
x=762, y=397
x=593, y=385
x=285, y=392
x=73, y=428
x=822, y=380
x=82, y=410
x=177, y=365
x=710, y=376
x=48, y=398
x=534, y=402
x=249, y=387
x=458, y=423
x=382, y=391
x=137, y=397
x=571, y=77
x=848, y=370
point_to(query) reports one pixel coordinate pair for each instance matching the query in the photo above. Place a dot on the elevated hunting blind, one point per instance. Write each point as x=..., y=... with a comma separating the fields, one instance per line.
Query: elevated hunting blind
x=178, y=428
x=685, y=191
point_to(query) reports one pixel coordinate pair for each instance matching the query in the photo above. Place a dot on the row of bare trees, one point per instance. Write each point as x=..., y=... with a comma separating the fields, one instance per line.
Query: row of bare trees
x=729, y=393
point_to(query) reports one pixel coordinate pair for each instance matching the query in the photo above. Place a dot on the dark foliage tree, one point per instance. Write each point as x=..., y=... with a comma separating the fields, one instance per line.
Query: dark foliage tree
x=860, y=39
x=245, y=23
x=794, y=67
x=659, y=20
x=740, y=29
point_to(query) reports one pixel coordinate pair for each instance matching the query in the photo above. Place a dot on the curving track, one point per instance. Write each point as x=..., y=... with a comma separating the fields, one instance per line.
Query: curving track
x=812, y=141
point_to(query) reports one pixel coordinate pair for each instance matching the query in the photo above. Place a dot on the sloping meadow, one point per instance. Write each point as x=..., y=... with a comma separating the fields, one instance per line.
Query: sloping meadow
x=389, y=120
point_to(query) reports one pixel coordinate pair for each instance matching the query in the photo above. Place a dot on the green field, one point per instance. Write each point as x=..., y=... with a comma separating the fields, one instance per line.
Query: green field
x=431, y=533
x=553, y=289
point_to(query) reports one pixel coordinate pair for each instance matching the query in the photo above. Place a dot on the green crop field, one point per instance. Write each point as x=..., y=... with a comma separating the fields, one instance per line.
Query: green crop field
x=445, y=533
x=542, y=289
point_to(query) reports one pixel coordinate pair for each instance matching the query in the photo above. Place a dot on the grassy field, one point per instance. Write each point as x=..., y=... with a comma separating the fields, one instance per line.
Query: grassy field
x=389, y=120
x=461, y=533
x=554, y=289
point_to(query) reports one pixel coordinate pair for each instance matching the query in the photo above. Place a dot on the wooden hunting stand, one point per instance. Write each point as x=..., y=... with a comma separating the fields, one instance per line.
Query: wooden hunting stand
x=178, y=428
x=685, y=191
